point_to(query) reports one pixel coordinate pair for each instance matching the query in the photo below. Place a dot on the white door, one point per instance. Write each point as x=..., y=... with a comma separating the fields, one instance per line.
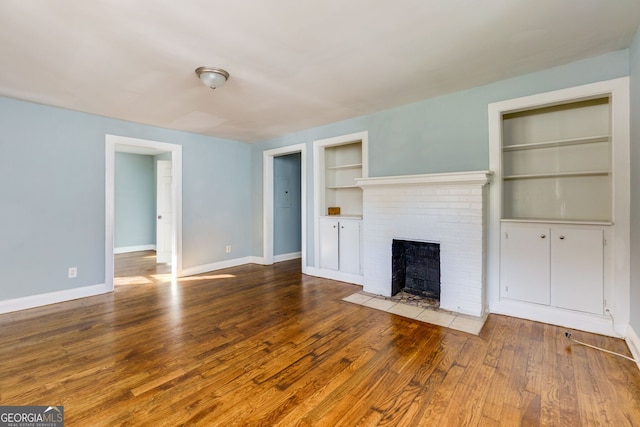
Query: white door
x=577, y=269
x=329, y=244
x=525, y=264
x=349, y=247
x=164, y=217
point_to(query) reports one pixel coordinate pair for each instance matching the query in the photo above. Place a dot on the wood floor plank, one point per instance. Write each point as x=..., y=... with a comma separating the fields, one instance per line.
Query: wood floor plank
x=267, y=346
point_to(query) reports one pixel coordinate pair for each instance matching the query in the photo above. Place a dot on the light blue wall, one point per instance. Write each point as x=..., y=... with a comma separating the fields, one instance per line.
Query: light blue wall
x=135, y=200
x=443, y=134
x=287, y=221
x=634, y=68
x=52, y=187
x=52, y=214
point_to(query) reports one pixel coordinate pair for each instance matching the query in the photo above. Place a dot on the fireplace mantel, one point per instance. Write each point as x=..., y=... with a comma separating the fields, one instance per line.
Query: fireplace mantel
x=455, y=178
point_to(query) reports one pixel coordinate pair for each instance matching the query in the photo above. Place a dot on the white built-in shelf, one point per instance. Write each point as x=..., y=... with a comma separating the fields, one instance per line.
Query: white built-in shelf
x=558, y=143
x=342, y=187
x=557, y=175
x=342, y=167
x=556, y=221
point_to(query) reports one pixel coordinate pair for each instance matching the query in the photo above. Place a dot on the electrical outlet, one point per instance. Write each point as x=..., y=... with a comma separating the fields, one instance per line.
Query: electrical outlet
x=228, y=249
x=73, y=272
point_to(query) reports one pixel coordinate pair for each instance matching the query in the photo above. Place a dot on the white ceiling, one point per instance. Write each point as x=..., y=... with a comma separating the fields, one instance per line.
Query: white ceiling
x=294, y=64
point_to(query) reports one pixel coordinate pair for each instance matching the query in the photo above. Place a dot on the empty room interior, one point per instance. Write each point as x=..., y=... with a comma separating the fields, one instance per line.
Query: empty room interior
x=320, y=213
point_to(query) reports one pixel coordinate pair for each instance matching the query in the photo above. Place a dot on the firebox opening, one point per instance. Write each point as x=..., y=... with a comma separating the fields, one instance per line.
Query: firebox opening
x=415, y=268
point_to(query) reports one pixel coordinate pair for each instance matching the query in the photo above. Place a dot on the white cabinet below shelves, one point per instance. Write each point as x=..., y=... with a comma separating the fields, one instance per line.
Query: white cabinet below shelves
x=577, y=272
x=553, y=265
x=525, y=264
x=340, y=244
x=329, y=242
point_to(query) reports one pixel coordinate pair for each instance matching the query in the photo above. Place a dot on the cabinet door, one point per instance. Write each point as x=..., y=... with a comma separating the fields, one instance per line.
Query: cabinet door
x=329, y=244
x=525, y=263
x=577, y=269
x=350, y=246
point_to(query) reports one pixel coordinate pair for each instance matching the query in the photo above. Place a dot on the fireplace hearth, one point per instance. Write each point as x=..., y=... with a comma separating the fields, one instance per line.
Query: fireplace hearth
x=415, y=268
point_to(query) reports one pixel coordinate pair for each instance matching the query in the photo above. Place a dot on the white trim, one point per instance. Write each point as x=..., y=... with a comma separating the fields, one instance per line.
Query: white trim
x=334, y=275
x=190, y=271
x=319, y=146
x=40, y=300
x=257, y=260
x=557, y=316
x=287, y=257
x=267, y=199
x=128, y=249
x=633, y=342
x=457, y=178
x=617, y=293
x=112, y=144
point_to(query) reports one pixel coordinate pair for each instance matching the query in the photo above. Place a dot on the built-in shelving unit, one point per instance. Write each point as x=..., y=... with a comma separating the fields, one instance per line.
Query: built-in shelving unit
x=557, y=196
x=338, y=163
x=559, y=207
x=342, y=166
x=556, y=162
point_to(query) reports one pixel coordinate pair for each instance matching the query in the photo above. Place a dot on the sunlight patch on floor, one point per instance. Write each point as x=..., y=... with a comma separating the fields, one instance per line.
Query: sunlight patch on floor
x=132, y=280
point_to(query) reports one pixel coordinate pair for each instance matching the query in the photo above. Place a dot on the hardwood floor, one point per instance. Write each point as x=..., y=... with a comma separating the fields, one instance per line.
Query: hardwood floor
x=267, y=346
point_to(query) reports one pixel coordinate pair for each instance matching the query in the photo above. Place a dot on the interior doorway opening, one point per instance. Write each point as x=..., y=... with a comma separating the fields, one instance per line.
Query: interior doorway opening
x=269, y=203
x=287, y=218
x=173, y=154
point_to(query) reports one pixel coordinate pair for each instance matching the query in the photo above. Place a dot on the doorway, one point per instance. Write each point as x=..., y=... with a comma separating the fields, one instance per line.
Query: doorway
x=287, y=218
x=269, y=203
x=138, y=146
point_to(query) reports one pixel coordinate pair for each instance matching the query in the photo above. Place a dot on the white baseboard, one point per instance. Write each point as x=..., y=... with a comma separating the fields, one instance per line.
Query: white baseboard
x=257, y=260
x=634, y=344
x=190, y=271
x=234, y=263
x=127, y=249
x=334, y=275
x=40, y=300
x=557, y=316
x=287, y=257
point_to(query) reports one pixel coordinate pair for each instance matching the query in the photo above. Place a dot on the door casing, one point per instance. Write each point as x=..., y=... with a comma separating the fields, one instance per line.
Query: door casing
x=115, y=143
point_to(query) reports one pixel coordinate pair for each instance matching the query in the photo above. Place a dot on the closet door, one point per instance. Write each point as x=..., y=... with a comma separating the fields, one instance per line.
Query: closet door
x=577, y=269
x=525, y=263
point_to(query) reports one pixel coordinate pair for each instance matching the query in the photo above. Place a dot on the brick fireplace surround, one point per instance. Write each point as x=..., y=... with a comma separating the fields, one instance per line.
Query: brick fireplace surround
x=445, y=208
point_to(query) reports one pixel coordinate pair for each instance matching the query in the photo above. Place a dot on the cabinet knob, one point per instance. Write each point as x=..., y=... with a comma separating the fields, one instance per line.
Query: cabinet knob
x=334, y=226
x=542, y=236
x=561, y=237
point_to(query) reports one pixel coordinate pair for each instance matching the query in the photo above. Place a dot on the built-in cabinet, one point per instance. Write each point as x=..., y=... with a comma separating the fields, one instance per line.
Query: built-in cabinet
x=554, y=264
x=340, y=244
x=338, y=162
x=559, y=222
x=556, y=204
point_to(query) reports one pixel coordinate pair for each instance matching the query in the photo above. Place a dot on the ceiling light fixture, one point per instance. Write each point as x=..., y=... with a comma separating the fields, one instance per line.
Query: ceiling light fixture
x=212, y=77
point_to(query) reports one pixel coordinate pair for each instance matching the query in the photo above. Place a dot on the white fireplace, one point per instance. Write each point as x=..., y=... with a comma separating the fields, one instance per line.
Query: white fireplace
x=445, y=208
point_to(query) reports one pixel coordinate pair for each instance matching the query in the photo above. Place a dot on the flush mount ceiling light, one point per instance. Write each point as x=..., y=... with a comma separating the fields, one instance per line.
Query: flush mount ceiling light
x=212, y=77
